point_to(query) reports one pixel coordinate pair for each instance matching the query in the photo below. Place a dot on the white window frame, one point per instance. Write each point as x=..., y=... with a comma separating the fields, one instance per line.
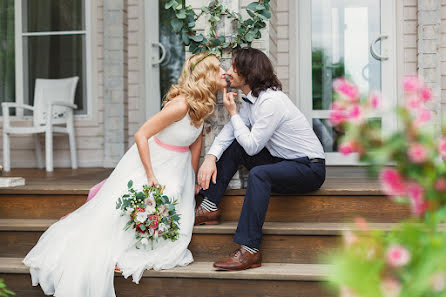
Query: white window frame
x=303, y=76
x=20, y=59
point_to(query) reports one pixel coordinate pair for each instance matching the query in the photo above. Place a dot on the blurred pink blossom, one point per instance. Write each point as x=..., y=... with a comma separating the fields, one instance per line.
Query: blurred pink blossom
x=390, y=287
x=417, y=153
x=375, y=100
x=337, y=114
x=423, y=116
x=361, y=223
x=397, y=255
x=346, y=89
x=350, y=238
x=392, y=182
x=347, y=292
x=440, y=184
x=442, y=147
x=417, y=200
x=425, y=93
x=411, y=83
x=438, y=281
x=347, y=148
x=355, y=114
x=413, y=102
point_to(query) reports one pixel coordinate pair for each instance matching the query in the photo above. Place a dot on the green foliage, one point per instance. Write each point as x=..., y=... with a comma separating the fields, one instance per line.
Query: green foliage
x=4, y=292
x=185, y=18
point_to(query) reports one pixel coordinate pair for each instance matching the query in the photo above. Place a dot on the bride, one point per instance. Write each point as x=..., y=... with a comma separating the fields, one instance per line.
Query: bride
x=77, y=255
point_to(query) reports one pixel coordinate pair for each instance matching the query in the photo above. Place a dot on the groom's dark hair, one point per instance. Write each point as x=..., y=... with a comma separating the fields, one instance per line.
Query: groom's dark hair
x=257, y=70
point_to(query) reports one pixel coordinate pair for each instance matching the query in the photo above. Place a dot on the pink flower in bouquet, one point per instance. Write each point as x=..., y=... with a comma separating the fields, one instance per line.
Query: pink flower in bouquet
x=438, y=282
x=164, y=210
x=442, y=147
x=411, y=83
x=155, y=223
x=417, y=153
x=347, y=148
x=375, y=100
x=423, y=116
x=346, y=89
x=440, y=184
x=355, y=114
x=392, y=182
x=397, y=255
x=337, y=114
x=416, y=194
x=390, y=287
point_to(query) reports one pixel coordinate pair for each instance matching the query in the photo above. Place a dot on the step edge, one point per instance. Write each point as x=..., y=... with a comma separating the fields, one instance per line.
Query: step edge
x=310, y=272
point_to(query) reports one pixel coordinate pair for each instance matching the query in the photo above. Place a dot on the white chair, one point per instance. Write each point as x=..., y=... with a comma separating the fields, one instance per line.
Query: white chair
x=54, y=97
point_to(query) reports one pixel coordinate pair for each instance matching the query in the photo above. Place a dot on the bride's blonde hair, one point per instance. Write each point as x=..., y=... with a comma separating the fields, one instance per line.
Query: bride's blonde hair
x=198, y=83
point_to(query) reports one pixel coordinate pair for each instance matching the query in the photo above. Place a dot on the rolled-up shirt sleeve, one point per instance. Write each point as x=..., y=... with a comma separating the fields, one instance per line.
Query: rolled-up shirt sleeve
x=269, y=118
x=226, y=135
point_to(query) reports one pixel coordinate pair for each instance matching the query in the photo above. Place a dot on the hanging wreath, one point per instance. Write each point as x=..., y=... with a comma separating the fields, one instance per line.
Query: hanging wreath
x=185, y=18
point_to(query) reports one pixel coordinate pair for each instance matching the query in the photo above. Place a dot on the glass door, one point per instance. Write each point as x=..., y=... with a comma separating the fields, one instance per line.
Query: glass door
x=351, y=38
x=165, y=55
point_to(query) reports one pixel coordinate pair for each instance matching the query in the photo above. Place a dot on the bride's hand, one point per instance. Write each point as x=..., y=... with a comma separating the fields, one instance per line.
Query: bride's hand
x=152, y=181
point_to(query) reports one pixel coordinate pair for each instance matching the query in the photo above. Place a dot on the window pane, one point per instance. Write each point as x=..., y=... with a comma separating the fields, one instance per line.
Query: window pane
x=7, y=54
x=342, y=31
x=170, y=68
x=53, y=15
x=52, y=57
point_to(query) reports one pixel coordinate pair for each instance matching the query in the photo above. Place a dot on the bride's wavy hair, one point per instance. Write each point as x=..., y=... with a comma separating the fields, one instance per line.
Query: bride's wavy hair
x=198, y=83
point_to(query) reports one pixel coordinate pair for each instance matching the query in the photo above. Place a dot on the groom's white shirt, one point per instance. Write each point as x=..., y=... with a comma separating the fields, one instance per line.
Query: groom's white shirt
x=271, y=121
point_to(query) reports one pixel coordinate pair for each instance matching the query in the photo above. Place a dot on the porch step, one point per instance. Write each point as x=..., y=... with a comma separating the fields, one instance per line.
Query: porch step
x=282, y=208
x=282, y=242
x=272, y=279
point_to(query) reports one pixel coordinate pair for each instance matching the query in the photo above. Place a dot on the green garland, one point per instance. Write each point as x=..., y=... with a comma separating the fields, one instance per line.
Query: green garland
x=247, y=30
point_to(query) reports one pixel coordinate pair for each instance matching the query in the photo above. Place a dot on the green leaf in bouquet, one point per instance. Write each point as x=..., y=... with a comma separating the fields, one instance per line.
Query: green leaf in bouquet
x=130, y=184
x=140, y=195
x=128, y=225
x=142, y=227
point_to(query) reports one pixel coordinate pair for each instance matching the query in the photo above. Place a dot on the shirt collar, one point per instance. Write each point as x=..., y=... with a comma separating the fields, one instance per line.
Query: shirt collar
x=251, y=97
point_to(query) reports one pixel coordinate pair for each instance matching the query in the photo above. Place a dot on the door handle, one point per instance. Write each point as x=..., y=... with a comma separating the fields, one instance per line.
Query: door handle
x=373, y=51
x=163, y=53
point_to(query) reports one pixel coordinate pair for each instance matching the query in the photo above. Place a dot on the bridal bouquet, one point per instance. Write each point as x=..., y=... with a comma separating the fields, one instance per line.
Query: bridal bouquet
x=152, y=214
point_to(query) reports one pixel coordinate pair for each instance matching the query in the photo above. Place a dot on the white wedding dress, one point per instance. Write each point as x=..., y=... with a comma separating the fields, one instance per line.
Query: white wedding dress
x=77, y=255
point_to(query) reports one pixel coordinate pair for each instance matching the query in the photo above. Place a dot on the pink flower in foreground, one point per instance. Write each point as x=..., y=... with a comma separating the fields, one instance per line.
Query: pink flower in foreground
x=413, y=102
x=350, y=238
x=423, y=116
x=390, y=287
x=337, y=114
x=438, y=282
x=355, y=114
x=347, y=148
x=392, y=182
x=440, y=184
x=425, y=93
x=375, y=100
x=346, y=89
x=361, y=223
x=442, y=147
x=411, y=83
x=397, y=255
x=417, y=201
x=417, y=153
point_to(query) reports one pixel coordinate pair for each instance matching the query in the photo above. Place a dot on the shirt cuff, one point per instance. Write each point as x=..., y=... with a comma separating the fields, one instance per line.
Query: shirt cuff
x=216, y=151
x=237, y=124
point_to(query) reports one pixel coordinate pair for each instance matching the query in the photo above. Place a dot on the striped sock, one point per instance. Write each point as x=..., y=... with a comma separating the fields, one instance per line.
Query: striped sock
x=250, y=250
x=208, y=205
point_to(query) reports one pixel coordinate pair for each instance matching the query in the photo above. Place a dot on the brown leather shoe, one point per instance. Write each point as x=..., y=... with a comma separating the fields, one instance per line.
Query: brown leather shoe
x=240, y=259
x=204, y=217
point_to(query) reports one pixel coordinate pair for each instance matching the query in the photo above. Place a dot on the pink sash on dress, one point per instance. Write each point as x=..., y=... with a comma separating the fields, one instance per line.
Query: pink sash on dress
x=171, y=147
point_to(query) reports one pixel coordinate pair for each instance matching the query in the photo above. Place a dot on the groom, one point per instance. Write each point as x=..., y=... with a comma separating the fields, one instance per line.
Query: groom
x=269, y=136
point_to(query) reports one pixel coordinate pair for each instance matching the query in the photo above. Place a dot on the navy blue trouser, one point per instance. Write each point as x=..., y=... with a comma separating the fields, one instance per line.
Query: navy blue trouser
x=267, y=173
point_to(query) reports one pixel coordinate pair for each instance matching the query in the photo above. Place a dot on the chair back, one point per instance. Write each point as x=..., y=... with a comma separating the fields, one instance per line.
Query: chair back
x=51, y=90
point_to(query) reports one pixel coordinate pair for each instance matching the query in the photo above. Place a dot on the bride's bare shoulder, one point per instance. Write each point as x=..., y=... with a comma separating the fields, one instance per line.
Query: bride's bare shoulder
x=178, y=105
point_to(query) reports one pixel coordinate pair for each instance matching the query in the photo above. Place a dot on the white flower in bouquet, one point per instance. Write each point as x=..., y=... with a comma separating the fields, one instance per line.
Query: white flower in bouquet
x=155, y=236
x=150, y=201
x=164, y=210
x=129, y=211
x=151, y=231
x=150, y=210
x=144, y=241
x=141, y=216
x=162, y=227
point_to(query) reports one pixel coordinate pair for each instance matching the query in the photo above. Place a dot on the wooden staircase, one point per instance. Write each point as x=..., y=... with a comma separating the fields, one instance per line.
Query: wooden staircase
x=299, y=231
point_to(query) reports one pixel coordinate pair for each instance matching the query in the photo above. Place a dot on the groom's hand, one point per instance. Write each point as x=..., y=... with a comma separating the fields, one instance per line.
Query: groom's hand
x=229, y=102
x=207, y=171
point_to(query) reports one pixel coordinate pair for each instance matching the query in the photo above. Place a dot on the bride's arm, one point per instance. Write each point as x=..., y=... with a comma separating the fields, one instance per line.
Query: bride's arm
x=195, y=149
x=172, y=112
